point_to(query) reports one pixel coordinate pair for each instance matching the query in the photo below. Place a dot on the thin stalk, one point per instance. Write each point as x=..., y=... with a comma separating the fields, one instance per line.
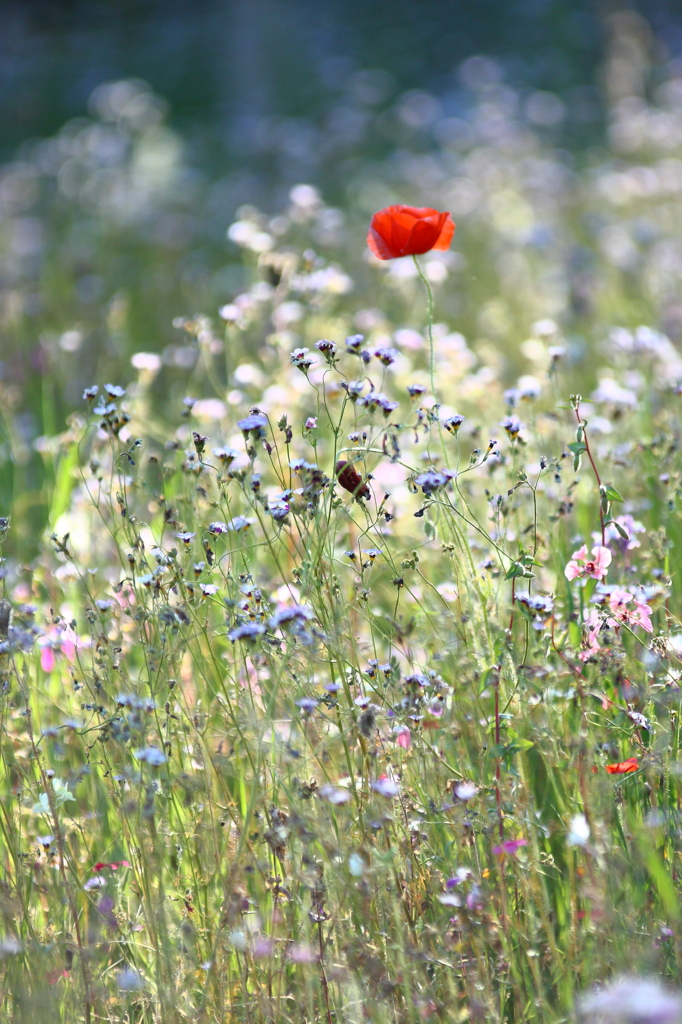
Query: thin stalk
x=429, y=326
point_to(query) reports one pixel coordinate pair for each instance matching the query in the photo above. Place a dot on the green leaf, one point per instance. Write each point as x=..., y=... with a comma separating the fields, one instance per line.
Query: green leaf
x=65, y=482
x=611, y=493
x=623, y=533
x=574, y=634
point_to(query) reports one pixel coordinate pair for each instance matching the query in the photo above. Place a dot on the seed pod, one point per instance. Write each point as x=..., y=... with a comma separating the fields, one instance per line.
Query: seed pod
x=350, y=479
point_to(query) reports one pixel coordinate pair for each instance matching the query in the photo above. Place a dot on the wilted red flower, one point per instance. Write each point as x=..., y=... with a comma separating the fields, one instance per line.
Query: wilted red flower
x=409, y=231
x=631, y=765
x=115, y=865
x=350, y=479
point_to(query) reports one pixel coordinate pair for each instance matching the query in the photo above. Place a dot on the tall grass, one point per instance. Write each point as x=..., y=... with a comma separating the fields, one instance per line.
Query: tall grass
x=275, y=751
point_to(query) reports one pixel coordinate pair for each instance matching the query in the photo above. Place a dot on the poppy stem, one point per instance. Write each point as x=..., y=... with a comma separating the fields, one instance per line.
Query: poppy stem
x=429, y=325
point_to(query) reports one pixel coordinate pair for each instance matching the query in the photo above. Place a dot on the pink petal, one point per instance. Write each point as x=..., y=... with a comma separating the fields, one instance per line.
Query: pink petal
x=47, y=659
x=404, y=738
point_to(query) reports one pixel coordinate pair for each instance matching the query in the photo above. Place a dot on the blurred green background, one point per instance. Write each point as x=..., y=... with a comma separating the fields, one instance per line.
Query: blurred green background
x=134, y=133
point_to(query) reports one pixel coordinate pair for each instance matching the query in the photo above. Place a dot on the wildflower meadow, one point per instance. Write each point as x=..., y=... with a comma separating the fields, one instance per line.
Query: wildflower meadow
x=340, y=638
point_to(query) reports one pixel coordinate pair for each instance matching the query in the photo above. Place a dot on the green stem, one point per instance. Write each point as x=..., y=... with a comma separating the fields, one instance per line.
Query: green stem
x=429, y=315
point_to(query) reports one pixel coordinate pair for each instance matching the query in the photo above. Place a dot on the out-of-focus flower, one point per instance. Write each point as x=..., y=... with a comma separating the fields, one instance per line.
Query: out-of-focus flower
x=403, y=736
x=248, y=631
x=579, y=831
x=632, y=1001
x=465, y=791
x=612, y=393
x=409, y=231
x=130, y=980
x=628, y=526
x=385, y=786
x=237, y=525
x=433, y=479
x=146, y=362
x=596, y=567
x=623, y=767
x=294, y=613
x=509, y=846
x=334, y=795
x=151, y=755
x=378, y=400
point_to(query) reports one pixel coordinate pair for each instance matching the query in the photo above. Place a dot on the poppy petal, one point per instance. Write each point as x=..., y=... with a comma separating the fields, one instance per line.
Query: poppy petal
x=423, y=236
x=622, y=767
x=447, y=233
x=378, y=245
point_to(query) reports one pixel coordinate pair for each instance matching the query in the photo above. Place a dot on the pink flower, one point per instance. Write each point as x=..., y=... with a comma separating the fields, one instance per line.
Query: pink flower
x=596, y=567
x=47, y=659
x=639, y=616
x=69, y=643
x=403, y=736
x=642, y=616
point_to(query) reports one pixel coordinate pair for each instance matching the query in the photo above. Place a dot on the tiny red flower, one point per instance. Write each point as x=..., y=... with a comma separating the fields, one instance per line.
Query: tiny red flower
x=115, y=865
x=54, y=976
x=631, y=765
x=409, y=231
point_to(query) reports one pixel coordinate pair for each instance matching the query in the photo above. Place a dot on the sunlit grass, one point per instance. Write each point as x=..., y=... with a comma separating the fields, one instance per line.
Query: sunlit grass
x=279, y=752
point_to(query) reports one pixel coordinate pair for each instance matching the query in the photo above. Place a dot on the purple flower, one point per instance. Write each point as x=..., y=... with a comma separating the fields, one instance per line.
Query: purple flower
x=301, y=359
x=327, y=348
x=334, y=795
x=632, y=1001
x=386, y=787
x=249, y=631
x=433, y=479
x=208, y=589
x=386, y=356
x=509, y=846
x=354, y=343
x=290, y=613
x=254, y=423
x=307, y=704
x=378, y=400
x=453, y=423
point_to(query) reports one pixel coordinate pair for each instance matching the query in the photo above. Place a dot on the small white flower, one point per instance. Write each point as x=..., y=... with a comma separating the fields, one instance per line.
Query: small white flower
x=238, y=940
x=356, y=865
x=579, y=831
x=465, y=791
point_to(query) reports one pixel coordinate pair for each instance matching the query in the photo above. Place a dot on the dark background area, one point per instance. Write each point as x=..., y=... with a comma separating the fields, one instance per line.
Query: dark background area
x=224, y=64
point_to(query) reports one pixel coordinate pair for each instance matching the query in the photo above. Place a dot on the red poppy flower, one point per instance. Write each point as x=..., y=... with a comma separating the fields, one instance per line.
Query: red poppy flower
x=409, y=231
x=631, y=765
x=115, y=865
